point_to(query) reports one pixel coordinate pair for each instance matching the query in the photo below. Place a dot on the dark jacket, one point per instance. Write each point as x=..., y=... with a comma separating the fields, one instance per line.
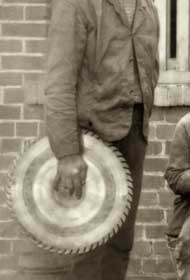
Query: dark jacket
x=88, y=75
x=178, y=174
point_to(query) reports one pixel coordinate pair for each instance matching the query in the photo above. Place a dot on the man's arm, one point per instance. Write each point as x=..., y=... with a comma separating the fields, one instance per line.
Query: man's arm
x=178, y=170
x=156, y=71
x=67, y=39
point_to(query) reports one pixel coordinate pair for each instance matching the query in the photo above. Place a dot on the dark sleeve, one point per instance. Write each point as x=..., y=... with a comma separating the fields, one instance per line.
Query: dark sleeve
x=66, y=45
x=178, y=171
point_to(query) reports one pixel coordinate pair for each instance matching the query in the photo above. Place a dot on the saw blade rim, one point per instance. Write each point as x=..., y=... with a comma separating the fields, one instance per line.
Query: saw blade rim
x=104, y=239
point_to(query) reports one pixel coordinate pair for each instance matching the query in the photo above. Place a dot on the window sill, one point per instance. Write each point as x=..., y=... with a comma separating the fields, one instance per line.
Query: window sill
x=173, y=89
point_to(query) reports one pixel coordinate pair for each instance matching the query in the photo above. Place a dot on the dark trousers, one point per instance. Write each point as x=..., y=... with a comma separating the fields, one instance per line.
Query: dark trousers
x=111, y=261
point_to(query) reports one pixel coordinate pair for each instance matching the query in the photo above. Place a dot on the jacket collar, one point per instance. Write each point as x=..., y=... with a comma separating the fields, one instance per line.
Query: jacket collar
x=139, y=16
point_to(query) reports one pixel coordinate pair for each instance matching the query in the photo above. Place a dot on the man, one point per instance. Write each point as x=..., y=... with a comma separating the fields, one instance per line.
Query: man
x=178, y=177
x=101, y=74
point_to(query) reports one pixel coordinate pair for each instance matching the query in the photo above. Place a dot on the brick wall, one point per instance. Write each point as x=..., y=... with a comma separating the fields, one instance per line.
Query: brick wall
x=23, y=27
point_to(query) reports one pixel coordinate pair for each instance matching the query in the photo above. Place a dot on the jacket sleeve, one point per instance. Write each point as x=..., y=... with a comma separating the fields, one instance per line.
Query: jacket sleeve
x=66, y=45
x=156, y=71
x=178, y=171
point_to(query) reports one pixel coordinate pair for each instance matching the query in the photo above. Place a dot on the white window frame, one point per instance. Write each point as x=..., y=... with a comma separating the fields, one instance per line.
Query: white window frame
x=174, y=82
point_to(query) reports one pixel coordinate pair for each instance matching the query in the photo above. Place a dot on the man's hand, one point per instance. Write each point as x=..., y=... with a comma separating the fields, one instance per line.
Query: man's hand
x=71, y=175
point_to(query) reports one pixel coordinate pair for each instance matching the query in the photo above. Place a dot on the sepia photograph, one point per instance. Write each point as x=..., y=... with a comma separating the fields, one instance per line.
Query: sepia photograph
x=94, y=139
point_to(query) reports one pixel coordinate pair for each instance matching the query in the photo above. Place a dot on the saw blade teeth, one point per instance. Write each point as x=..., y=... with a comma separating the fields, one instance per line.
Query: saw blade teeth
x=123, y=218
x=94, y=246
x=100, y=243
x=130, y=199
x=106, y=238
x=116, y=230
x=60, y=252
x=120, y=223
x=130, y=181
x=67, y=252
x=130, y=191
x=89, y=249
x=81, y=251
x=111, y=234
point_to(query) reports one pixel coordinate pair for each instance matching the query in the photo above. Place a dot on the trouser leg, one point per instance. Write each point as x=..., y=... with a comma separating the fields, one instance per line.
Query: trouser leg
x=116, y=254
x=110, y=261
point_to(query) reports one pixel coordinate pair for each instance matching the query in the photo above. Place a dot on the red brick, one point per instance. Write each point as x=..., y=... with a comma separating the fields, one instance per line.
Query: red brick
x=13, y=95
x=154, y=148
x=33, y=77
x=9, y=145
x=169, y=214
x=5, y=246
x=167, y=149
x=155, y=164
x=3, y=179
x=5, y=162
x=22, y=62
x=44, y=261
x=10, y=46
x=156, y=231
x=4, y=213
x=135, y=266
x=26, y=129
x=174, y=114
x=150, y=215
x=2, y=198
x=24, y=29
x=139, y=232
x=160, y=248
x=28, y=1
x=8, y=275
x=142, y=249
x=6, y=129
x=25, y=246
x=8, y=262
x=157, y=114
x=11, y=13
x=152, y=132
x=165, y=131
x=10, y=79
x=158, y=266
x=153, y=182
x=149, y=198
x=33, y=112
x=10, y=230
x=165, y=199
x=36, y=46
x=9, y=112
x=42, y=130
x=37, y=13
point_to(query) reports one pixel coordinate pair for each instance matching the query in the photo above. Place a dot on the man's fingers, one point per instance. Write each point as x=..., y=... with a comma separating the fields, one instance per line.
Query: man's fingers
x=66, y=187
x=69, y=185
x=56, y=181
x=83, y=175
x=77, y=185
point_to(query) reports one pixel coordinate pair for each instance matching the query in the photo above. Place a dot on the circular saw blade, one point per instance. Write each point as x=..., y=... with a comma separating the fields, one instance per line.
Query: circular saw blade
x=75, y=226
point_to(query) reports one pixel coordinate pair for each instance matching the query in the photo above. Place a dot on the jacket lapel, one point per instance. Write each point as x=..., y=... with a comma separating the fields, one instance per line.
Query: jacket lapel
x=140, y=14
x=119, y=11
